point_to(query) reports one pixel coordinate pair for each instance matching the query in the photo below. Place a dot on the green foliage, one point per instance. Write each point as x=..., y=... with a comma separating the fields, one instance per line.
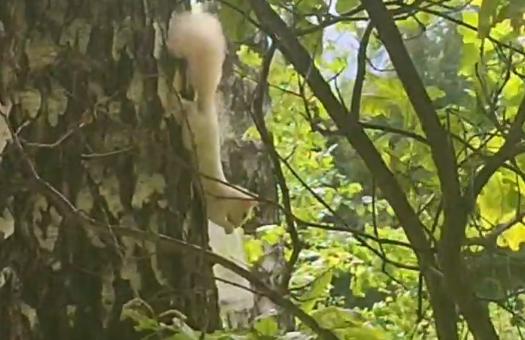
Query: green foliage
x=235, y=13
x=493, y=12
x=346, y=324
x=147, y=322
x=356, y=274
x=363, y=287
x=466, y=74
x=486, y=15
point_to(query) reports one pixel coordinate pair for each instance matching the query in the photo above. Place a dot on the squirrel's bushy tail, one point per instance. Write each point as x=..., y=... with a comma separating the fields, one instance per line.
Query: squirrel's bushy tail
x=199, y=38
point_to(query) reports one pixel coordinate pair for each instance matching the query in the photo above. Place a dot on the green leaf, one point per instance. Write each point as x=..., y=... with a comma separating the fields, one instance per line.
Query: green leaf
x=249, y=57
x=310, y=6
x=318, y=290
x=235, y=24
x=435, y=92
x=486, y=13
x=266, y=326
x=137, y=310
x=146, y=324
x=470, y=55
x=343, y=6
x=254, y=250
x=513, y=238
x=514, y=12
x=347, y=324
x=313, y=42
x=184, y=332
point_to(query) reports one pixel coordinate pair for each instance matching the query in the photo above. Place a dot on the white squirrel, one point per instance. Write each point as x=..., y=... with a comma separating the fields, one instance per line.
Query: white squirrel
x=199, y=39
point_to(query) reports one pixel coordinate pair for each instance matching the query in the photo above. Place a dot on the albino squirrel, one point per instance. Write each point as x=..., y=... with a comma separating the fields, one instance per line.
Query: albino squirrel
x=198, y=38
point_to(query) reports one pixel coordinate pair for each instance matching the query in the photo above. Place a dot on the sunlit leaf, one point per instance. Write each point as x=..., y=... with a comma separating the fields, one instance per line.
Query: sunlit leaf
x=344, y=6
x=486, y=13
x=317, y=290
x=513, y=238
x=266, y=326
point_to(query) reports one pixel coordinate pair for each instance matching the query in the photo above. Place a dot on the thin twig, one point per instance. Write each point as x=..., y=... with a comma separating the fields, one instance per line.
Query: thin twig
x=258, y=118
x=490, y=239
x=355, y=106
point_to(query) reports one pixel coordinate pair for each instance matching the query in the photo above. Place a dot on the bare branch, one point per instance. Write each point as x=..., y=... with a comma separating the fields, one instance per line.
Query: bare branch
x=490, y=239
x=441, y=148
x=86, y=156
x=299, y=57
x=472, y=28
x=510, y=148
x=401, y=132
x=56, y=143
x=258, y=118
x=442, y=151
x=296, y=54
x=355, y=106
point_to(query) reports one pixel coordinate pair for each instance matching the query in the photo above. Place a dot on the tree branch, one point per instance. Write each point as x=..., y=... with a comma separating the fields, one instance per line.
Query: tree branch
x=355, y=105
x=167, y=244
x=508, y=150
x=442, y=151
x=490, y=239
x=297, y=55
x=258, y=118
x=440, y=146
x=472, y=28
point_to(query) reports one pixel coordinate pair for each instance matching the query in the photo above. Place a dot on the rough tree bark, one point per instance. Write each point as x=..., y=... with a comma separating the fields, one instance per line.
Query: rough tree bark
x=89, y=80
x=246, y=162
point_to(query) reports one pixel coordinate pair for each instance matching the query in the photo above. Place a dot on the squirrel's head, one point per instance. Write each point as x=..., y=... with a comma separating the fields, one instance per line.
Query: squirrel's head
x=238, y=204
x=229, y=207
x=239, y=211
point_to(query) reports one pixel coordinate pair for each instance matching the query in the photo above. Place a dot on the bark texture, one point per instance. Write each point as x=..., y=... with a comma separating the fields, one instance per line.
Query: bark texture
x=89, y=82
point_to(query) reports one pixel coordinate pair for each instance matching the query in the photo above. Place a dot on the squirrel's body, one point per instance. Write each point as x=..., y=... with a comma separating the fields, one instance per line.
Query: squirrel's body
x=198, y=38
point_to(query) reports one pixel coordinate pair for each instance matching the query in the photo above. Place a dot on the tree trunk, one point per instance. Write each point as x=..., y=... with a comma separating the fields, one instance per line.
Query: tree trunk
x=88, y=81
